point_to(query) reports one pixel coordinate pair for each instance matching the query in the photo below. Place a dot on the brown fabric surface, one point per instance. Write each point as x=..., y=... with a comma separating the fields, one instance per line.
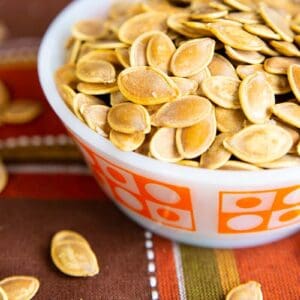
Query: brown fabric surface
x=26, y=228
x=29, y=17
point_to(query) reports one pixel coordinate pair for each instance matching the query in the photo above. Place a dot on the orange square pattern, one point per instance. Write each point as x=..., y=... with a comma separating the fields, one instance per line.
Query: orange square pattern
x=244, y=212
x=160, y=202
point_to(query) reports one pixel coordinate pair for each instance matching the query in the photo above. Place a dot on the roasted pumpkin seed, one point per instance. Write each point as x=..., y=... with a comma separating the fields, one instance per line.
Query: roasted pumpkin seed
x=163, y=145
x=287, y=161
x=3, y=177
x=20, y=287
x=123, y=56
x=96, y=71
x=288, y=112
x=221, y=66
x=280, y=65
x=243, y=5
x=147, y=86
x=276, y=21
x=217, y=155
x=184, y=112
x=74, y=258
x=199, y=77
x=188, y=163
x=107, y=55
x=192, y=57
x=233, y=165
x=186, y=86
x=249, y=290
x=127, y=142
x=229, y=120
x=248, y=57
x=97, y=88
x=257, y=98
x=236, y=37
x=142, y=23
x=222, y=90
x=117, y=98
x=96, y=117
x=160, y=51
x=68, y=235
x=64, y=75
x=294, y=80
x=195, y=140
x=138, y=50
x=89, y=30
x=262, y=31
x=259, y=143
x=129, y=118
x=244, y=17
x=208, y=12
x=286, y=48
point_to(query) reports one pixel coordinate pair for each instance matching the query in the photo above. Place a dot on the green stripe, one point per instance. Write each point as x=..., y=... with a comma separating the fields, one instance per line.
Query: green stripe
x=201, y=274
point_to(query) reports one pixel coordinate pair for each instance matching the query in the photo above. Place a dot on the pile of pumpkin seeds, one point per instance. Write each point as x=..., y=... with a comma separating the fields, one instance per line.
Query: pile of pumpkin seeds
x=210, y=84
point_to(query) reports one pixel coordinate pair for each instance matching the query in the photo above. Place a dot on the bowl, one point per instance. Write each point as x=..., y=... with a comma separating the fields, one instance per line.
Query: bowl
x=224, y=209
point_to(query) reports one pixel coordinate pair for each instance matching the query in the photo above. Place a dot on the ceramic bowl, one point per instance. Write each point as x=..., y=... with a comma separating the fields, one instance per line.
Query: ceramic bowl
x=224, y=209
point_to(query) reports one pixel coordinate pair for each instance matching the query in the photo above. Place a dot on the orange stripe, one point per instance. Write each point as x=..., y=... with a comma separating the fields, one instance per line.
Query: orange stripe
x=275, y=266
x=166, y=272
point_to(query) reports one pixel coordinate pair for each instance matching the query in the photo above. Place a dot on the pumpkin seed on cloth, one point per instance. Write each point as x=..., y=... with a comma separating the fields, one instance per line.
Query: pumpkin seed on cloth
x=259, y=143
x=257, y=98
x=21, y=111
x=221, y=66
x=222, y=90
x=20, y=287
x=234, y=165
x=192, y=57
x=250, y=290
x=248, y=57
x=280, y=65
x=163, y=145
x=217, y=155
x=147, y=86
x=127, y=142
x=276, y=21
x=129, y=118
x=294, y=79
x=195, y=140
x=230, y=120
x=135, y=26
x=288, y=112
x=262, y=31
x=236, y=37
x=3, y=177
x=160, y=50
x=184, y=112
x=72, y=255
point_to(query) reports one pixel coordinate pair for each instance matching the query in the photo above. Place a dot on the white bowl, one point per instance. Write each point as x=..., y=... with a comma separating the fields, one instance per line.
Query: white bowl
x=196, y=206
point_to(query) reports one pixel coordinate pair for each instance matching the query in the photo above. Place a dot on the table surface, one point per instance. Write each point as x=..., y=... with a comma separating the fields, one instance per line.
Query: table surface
x=51, y=189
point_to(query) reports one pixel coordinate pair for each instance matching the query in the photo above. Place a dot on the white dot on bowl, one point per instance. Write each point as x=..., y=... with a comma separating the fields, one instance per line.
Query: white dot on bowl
x=129, y=199
x=292, y=198
x=245, y=222
x=162, y=193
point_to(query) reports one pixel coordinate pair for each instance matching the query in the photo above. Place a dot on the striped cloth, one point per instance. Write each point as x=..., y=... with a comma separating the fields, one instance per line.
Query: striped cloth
x=50, y=189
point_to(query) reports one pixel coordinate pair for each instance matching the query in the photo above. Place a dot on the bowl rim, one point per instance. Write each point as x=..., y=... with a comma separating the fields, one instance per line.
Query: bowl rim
x=138, y=161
